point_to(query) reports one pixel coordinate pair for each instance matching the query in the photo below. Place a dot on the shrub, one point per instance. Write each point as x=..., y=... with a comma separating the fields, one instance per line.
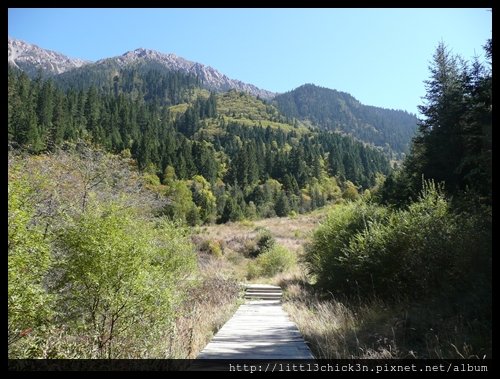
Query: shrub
x=325, y=257
x=213, y=247
x=350, y=192
x=253, y=247
x=408, y=253
x=265, y=241
x=253, y=270
x=420, y=251
x=122, y=275
x=29, y=305
x=151, y=179
x=271, y=262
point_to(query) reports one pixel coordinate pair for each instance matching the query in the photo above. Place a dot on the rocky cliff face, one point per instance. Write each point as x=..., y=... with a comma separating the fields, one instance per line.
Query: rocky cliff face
x=210, y=77
x=31, y=58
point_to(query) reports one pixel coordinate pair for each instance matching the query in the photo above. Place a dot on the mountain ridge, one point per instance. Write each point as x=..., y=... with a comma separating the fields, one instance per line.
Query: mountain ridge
x=30, y=58
x=209, y=76
x=317, y=106
x=339, y=111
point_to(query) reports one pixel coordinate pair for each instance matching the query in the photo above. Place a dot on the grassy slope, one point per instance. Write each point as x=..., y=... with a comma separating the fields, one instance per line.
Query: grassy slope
x=247, y=110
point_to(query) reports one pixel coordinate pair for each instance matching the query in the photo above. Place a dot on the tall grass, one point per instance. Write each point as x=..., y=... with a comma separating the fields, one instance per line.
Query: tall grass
x=372, y=328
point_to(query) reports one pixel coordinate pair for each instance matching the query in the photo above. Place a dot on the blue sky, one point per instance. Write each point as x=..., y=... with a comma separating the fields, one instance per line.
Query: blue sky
x=380, y=56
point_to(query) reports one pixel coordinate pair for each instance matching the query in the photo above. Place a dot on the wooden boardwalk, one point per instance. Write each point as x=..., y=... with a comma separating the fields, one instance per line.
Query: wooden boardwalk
x=260, y=329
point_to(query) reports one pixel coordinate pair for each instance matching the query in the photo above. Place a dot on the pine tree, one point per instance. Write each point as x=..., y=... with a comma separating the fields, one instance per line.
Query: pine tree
x=454, y=140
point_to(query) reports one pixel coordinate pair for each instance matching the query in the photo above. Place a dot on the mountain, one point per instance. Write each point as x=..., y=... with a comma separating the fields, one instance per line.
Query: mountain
x=156, y=77
x=339, y=111
x=208, y=76
x=31, y=58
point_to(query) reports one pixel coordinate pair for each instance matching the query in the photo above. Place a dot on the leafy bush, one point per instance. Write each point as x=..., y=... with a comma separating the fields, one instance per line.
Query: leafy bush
x=253, y=270
x=265, y=241
x=261, y=243
x=325, y=257
x=213, y=247
x=271, y=262
x=121, y=275
x=29, y=305
x=93, y=273
x=407, y=254
x=422, y=250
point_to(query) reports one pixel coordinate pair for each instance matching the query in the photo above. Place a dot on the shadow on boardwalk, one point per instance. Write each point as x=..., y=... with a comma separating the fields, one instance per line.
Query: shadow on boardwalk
x=260, y=329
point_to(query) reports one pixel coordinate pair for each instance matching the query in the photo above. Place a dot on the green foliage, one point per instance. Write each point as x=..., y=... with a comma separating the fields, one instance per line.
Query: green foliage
x=264, y=242
x=204, y=198
x=454, y=141
x=244, y=108
x=29, y=305
x=325, y=256
x=282, y=206
x=93, y=281
x=169, y=176
x=119, y=273
x=364, y=249
x=213, y=247
x=271, y=262
x=350, y=192
x=253, y=270
x=151, y=179
x=180, y=206
x=232, y=211
x=251, y=211
x=261, y=243
x=256, y=161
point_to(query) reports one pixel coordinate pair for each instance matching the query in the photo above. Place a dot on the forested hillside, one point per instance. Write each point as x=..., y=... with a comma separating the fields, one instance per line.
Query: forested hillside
x=333, y=110
x=245, y=155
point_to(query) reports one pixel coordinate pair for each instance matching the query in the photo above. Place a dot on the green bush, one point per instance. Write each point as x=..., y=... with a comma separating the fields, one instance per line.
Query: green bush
x=253, y=270
x=271, y=262
x=122, y=275
x=213, y=247
x=406, y=254
x=29, y=305
x=265, y=241
x=325, y=257
x=364, y=249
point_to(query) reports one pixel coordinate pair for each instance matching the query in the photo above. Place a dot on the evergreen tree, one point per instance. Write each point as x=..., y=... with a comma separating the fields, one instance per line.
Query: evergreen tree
x=454, y=140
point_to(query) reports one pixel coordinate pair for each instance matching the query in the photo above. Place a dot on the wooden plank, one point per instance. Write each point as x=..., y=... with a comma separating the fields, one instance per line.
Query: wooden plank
x=260, y=329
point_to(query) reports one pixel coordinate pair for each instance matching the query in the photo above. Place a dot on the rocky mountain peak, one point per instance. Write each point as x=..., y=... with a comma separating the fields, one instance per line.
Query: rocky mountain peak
x=31, y=58
x=210, y=77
